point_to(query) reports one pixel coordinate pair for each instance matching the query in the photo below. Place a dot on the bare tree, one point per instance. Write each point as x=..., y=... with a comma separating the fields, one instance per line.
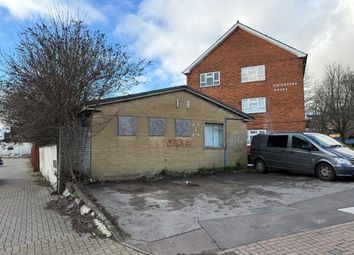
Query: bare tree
x=333, y=101
x=57, y=67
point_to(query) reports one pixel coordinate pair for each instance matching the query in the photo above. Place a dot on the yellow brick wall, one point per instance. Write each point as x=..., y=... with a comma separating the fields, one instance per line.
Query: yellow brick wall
x=116, y=156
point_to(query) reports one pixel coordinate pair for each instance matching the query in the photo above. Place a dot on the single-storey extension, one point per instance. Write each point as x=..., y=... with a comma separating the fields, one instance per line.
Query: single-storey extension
x=175, y=129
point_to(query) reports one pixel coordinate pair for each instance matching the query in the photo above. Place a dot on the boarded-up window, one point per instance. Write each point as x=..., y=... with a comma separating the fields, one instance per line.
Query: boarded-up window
x=182, y=127
x=157, y=127
x=127, y=126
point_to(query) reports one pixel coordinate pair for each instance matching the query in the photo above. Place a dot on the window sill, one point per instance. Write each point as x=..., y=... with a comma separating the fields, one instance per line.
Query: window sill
x=213, y=148
x=252, y=113
x=209, y=86
x=242, y=82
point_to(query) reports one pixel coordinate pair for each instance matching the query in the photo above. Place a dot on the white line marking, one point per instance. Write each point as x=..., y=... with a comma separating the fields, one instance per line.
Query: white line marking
x=347, y=210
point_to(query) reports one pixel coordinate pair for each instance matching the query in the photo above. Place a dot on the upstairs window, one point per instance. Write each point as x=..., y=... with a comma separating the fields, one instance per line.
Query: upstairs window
x=254, y=105
x=253, y=73
x=209, y=79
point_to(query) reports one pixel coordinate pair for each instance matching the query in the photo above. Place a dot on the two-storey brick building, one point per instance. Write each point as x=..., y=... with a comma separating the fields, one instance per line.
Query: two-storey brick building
x=256, y=73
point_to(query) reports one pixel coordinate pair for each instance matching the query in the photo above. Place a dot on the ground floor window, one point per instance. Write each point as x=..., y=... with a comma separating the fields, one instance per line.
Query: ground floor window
x=252, y=133
x=213, y=135
x=183, y=127
x=157, y=126
x=127, y=126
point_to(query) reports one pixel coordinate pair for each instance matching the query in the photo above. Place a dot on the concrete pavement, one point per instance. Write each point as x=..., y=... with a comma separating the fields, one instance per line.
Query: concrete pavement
x=221, y=212
x=27, y=228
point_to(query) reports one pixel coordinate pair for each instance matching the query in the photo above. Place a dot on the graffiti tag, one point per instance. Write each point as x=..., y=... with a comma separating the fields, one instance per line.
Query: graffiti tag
x=179, y=143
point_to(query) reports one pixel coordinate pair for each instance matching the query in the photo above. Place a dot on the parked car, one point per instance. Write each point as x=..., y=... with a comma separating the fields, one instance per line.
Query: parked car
x=312, y=153
x=1, y=161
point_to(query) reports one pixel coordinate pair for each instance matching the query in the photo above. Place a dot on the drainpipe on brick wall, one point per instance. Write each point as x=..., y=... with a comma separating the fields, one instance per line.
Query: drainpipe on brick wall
x=225, y=138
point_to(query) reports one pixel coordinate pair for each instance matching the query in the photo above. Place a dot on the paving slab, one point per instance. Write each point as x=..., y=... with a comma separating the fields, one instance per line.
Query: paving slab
x=26, y=227
x=193, y=242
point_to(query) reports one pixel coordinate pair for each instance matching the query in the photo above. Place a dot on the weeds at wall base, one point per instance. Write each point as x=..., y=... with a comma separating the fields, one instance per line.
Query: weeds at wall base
x=166, y=174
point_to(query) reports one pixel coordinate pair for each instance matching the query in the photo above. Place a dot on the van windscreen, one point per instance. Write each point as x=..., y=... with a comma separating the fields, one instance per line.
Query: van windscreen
x=277, y=141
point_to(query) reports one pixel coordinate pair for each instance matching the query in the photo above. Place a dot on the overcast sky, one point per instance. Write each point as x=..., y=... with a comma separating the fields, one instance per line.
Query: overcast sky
x=173, y=33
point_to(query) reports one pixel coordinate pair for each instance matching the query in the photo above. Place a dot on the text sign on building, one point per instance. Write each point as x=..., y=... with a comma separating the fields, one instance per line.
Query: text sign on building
x=280, y=87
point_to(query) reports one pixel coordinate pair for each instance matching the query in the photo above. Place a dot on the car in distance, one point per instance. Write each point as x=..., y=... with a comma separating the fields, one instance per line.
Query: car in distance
x=1, y=161
x=312, y=153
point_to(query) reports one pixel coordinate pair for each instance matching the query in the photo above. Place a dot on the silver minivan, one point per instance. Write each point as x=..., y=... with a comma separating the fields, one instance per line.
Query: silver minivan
x=311, y=153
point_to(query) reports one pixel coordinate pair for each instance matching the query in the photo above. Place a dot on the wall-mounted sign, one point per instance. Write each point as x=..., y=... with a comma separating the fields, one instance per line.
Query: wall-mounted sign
x=283, y=86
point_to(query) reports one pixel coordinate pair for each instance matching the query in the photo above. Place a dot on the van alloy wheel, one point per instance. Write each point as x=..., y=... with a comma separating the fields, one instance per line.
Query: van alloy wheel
x=325, y=172
x=260, y=166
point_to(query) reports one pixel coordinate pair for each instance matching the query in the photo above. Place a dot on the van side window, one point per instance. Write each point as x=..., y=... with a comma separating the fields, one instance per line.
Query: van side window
x=299, y=143
x=278, y=141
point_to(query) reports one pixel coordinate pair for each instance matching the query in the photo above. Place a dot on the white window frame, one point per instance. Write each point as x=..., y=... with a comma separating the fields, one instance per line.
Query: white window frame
x=255, y=132
x=258, y=100
x=211, y=75
x=222, y=138
x=253, y=73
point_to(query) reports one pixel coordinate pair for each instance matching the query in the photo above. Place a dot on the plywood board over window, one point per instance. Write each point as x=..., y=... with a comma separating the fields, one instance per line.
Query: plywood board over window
x=183, y=127
x=127, y=126
x=157, y=126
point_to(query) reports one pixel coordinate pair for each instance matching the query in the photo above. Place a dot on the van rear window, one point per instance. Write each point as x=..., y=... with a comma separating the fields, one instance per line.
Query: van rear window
x=278, y=141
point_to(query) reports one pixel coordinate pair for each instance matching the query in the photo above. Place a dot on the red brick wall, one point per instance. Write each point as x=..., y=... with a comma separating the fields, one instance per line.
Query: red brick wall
x=284, y=109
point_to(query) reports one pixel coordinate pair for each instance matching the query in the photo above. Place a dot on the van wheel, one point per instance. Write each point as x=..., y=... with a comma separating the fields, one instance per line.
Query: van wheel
x=325, y=172
x=260, y=166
